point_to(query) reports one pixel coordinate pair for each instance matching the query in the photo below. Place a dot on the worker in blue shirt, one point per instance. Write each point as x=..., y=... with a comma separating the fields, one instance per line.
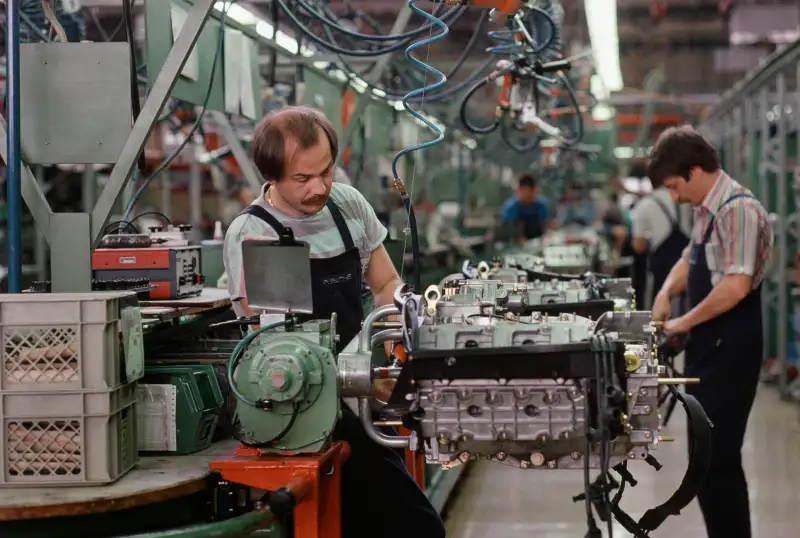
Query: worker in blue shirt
x=527, y=210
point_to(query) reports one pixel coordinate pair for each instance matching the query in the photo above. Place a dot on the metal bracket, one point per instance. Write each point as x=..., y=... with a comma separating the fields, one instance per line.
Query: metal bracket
x=159, y=94
x=31, y=191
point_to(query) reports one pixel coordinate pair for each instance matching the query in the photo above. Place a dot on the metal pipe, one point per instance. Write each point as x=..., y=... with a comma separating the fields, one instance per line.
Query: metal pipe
x=13, y=150
x=372, y=317
x=385, y=336
x=390, y=441
x=386, y=373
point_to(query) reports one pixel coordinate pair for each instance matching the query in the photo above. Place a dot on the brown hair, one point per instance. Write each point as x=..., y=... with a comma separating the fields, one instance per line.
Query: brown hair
x=297, y=123
x=527, y=180
x=679, y=150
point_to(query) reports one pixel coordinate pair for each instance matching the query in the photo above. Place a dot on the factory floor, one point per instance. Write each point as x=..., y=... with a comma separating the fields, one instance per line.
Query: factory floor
x=496, y=501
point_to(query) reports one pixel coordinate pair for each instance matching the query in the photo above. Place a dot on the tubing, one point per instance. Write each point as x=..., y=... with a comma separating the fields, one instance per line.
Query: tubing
x=238, y=526
x=404, y=195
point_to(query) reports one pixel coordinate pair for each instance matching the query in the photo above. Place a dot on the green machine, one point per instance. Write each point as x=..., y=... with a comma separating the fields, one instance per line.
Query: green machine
x=286, y=383
x=179, y=408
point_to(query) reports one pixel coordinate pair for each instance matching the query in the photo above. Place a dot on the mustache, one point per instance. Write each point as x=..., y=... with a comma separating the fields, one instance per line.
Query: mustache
x=316, y=200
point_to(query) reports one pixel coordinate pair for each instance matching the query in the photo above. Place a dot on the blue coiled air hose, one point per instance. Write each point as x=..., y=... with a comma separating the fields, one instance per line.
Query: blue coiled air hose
x=398, y=183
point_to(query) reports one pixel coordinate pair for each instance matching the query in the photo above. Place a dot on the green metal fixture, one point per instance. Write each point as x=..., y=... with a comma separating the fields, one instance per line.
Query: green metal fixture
x=198, y=403
x=287, y=386
x=244, y=525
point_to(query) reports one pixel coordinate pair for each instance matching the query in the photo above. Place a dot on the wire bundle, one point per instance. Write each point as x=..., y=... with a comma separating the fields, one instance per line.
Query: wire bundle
x=37, y=25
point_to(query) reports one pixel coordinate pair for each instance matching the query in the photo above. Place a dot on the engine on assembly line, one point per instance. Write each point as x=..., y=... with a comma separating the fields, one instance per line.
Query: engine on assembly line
x=537, y=411
x=557, y=373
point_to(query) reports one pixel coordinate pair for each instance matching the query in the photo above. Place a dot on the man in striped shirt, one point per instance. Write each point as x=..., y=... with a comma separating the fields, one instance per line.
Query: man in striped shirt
x=722, y=269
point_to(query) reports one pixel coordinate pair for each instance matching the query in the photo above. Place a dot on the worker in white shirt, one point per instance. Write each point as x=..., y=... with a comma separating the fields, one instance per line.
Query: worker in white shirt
x=660, y=229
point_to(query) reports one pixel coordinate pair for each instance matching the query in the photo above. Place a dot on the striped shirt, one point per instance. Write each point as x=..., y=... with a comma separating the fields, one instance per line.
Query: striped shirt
x=318, y=230
x=741, y=242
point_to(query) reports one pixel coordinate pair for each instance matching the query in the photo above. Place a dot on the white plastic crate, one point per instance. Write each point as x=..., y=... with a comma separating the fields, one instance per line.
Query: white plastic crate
x=67, y=341
x=67, y=438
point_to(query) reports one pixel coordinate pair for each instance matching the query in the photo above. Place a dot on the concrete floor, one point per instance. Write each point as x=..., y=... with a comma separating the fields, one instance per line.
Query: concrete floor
x=496, y=501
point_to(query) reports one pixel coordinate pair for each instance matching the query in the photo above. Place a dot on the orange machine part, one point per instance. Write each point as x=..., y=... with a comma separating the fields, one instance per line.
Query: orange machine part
x=315, y=480
x=506, y=7
x=130, y=258
x=348, y=107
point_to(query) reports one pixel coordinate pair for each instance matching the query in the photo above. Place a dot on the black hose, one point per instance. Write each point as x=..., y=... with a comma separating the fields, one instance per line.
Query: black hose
x=305, y=30
x=273, y=57
x=462, y=111
x=311, y=10
x=136, y=106
x=579, y=126
x=511, y=143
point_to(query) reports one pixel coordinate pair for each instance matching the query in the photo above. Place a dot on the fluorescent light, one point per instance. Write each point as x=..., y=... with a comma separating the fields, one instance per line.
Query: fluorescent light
x=598, y=89
x=247, y=18
x=601, y=18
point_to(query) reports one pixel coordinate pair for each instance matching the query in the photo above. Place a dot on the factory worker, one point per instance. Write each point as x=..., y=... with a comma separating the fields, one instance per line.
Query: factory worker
x=526, y=210
x=660, y=229
x=294, y=150
x=722, y=269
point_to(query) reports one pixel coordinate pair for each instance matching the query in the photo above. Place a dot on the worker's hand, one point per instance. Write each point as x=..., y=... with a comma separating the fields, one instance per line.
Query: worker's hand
x=677, y=326
x=662, y=307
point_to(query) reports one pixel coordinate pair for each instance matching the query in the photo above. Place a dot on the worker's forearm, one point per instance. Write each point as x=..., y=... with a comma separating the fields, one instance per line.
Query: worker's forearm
x=385, y=295
x=724, y=296
x=676, y=280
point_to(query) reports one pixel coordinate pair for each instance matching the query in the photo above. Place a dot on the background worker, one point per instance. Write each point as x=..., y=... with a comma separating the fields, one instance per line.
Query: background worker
x=722, y=270
x=660, y=228
x=294, y=150
x=526, y=211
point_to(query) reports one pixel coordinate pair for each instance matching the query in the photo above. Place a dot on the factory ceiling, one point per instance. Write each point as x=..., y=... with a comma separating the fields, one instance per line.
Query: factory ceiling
x=695, y=45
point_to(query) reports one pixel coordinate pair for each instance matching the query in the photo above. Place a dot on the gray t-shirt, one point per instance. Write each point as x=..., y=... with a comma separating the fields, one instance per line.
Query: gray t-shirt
x=318, y=230
x=649, y=221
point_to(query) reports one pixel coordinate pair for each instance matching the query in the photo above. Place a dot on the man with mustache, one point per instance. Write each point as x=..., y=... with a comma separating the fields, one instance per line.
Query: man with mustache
x=722, y=269
x=295, y=149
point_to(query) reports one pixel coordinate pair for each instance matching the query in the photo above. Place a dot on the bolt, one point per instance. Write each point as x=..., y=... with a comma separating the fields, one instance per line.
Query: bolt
x=647, y=409
x=500, y=456
x=648, y=435
x=524, y=464
x=575, y=455
x=464, y=456
x=632, y=455
x=643, y=392
x=450, y=361
x=552, y=464
x=537, y=459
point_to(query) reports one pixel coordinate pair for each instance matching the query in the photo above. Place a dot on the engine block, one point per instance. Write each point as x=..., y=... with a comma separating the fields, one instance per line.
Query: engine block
x=530, y=423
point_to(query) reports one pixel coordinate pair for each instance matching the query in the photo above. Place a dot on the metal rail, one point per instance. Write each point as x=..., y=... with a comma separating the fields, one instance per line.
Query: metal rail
x=769, y=68
x=762, y=109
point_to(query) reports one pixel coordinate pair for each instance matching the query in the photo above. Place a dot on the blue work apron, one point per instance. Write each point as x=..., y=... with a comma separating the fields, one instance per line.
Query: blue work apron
x=725, y=353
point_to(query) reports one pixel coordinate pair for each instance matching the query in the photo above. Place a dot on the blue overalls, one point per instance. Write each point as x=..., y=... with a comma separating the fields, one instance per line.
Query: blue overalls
x=725, y=353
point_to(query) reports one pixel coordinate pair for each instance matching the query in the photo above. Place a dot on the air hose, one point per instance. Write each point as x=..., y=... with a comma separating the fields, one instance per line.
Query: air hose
x=398, y=183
